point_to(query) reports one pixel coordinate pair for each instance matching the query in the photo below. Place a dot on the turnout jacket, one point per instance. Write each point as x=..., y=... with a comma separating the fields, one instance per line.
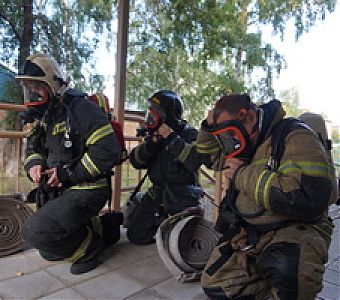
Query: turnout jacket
x=94, y=147
x=164, y=164
x=302, y=187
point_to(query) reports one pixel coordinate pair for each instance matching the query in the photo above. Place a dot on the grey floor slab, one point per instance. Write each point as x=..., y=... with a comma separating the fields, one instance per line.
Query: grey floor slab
x=172, y=289
x=29, y=286
x=128, y=272
x=109, y=286
x=330, y=292
x=14, y=265
x=62, y=272
x=147, y=295
x=149, y=271
x=65, y=294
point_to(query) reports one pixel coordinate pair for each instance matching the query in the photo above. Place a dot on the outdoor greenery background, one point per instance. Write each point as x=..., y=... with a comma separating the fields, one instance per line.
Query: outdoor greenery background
x=198, y=48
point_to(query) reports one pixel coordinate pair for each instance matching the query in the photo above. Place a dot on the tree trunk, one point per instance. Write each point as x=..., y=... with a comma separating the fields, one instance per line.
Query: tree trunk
x=27, y=34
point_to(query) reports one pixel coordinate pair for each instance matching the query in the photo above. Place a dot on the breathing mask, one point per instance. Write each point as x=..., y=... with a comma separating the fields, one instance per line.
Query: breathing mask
x=153, y=120
x=223, y=141
x=32, y=97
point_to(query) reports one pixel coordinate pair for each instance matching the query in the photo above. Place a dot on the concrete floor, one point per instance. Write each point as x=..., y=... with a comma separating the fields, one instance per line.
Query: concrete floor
x=128, y=272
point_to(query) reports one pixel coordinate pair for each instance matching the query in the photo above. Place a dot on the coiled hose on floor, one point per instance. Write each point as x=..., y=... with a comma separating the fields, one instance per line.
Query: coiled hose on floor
x=13, y=213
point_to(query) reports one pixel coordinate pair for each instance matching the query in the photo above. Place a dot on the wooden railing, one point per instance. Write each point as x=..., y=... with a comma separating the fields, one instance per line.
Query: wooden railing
x=118, y=189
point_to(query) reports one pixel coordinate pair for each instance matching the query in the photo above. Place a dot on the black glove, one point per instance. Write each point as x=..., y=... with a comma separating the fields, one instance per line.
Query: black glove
x=154, y=143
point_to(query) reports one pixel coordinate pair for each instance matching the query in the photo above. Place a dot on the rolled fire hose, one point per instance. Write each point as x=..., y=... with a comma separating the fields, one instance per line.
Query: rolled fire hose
x=13, y=213
x=184, y=243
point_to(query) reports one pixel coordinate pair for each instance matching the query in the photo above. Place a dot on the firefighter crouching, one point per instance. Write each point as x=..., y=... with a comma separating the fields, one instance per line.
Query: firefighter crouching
x=70, y=150
x=274, y=219
x=174, y=177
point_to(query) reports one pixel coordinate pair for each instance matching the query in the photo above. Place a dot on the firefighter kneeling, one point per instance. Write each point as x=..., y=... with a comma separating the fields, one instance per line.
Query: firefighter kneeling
x=274, y=218
x=71, y=150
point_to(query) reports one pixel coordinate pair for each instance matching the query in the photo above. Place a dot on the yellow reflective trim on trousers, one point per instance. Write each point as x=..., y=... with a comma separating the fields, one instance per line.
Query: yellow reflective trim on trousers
x=80, y=252
x=97, y=225
x=260, y=187
x=32, y=157
x=90, y=165
x=99, y=134
x=308, y=168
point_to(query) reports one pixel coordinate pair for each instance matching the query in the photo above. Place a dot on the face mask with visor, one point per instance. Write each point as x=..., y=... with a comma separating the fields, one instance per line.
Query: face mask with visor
x=153, y=120
x=223, y=141
x=31, y=96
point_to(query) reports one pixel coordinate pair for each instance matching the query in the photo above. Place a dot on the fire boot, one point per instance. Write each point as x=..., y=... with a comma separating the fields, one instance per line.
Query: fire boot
x=90, y=260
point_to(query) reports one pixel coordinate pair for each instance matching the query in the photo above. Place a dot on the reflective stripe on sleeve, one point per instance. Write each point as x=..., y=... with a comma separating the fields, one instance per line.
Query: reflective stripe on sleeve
x=208, y=147
x=99, y=134
x=262, y=188
x=33, y=157
x=184, y=153
x=89, y=165
x=308, y=168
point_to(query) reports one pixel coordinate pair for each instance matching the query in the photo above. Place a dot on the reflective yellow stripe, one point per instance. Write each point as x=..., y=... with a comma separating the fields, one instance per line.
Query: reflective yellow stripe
x=258, y=162
x=266, y=191
x=97, y=225
x=90, y=185
x=90, y=165
x=58, y=128
x=82, y=248
x=184, y=153
x=261, y=186
x=206, y=149
x=99, y=134
x=32, y=157
x=308, y=168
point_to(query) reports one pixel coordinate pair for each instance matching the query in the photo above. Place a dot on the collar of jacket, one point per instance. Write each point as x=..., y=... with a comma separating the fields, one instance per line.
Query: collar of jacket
x=273, y=112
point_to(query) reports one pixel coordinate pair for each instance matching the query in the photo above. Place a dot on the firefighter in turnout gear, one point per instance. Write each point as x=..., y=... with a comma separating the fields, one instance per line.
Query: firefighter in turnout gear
x=274, y=218
x=71, y=149
x=174, y=180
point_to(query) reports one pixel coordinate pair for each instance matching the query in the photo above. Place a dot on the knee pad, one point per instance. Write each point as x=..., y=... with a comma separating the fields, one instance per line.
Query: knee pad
x=279, y=265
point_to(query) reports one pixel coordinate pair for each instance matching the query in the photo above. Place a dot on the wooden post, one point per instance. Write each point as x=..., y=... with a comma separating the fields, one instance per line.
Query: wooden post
x=120, y=88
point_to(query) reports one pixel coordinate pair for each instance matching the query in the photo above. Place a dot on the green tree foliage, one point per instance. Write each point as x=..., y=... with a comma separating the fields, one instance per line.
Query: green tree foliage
x=290, y=102
x=217, y=45
x=67, y=29
x=335, y=136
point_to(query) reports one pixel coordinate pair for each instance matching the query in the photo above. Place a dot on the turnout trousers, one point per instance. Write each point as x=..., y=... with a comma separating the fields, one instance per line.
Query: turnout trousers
x=286, y=264
x=63, y=225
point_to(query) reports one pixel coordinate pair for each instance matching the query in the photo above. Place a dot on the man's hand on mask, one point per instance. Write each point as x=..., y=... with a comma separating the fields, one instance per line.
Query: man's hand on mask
x=53, y=179
x=164, y=131
x=231, y=166
x=35, y=173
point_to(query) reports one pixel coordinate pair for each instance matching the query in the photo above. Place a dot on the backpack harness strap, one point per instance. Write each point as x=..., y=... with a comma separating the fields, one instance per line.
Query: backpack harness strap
x=278, y=134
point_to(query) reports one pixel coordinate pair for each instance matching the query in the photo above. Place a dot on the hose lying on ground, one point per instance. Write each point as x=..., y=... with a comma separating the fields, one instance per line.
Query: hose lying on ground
x=13, y=213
